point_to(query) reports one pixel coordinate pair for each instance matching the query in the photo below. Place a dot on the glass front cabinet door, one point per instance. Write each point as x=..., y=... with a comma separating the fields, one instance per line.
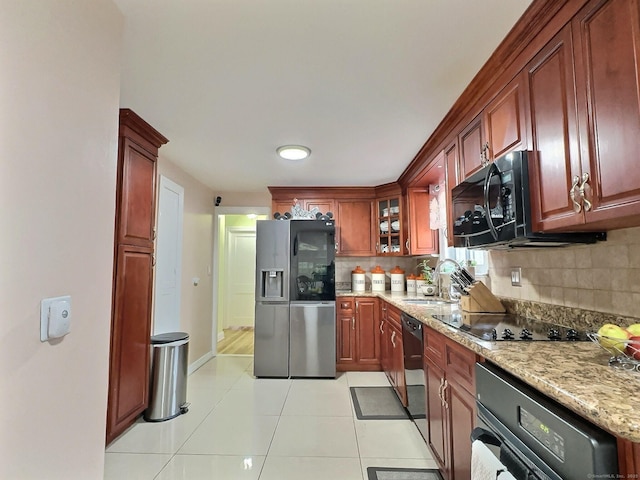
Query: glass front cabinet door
x=390, y=241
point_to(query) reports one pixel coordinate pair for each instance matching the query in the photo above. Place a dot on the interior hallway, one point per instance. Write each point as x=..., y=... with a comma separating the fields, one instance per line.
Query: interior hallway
x=236, y=341
x=239, y=427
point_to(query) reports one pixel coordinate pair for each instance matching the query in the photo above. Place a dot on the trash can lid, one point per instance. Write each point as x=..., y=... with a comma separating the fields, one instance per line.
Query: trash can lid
x=168, y=337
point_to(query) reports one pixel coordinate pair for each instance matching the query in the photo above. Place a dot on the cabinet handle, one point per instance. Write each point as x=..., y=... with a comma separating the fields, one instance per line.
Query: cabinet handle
x=336, y=246
x=574, y=193
x=155, y=232
x=393, y=338
x=381, y=324
x=440, y=391
x=484, y=155
x=353, y=323
x=406, y=244
x=585, y=183
x=377, y=249
x=444, y=393
x=153, y=260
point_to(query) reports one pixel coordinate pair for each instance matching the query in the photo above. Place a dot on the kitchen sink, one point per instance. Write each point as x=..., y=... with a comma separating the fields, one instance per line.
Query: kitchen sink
x=426, y=301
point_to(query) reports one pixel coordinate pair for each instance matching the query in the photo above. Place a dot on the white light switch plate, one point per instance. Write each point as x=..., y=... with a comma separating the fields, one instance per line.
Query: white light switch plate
x=55, y=317
x=516, y=276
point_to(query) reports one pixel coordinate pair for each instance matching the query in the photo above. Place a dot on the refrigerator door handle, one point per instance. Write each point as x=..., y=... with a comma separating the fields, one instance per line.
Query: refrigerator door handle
x=295, y=246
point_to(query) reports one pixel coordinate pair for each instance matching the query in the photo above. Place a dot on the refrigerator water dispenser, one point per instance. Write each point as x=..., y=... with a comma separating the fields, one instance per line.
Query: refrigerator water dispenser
x=272, y=284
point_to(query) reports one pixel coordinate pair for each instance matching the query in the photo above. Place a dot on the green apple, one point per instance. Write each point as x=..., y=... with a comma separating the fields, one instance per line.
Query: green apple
x=613, y=338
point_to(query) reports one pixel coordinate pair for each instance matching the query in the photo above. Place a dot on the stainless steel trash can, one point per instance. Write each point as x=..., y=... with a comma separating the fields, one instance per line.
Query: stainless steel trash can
x=168, y=393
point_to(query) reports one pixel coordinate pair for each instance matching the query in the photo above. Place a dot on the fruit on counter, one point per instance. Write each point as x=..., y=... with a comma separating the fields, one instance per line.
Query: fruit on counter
x=613, y=338
x=633, y=347
x=634, y=329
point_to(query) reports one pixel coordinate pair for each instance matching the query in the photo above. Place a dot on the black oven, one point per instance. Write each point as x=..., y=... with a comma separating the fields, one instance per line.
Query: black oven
x=533, y=437
x=492, y=209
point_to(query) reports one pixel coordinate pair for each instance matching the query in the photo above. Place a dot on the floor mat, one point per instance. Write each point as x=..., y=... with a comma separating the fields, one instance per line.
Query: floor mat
x=384, y=473
x=377, y=403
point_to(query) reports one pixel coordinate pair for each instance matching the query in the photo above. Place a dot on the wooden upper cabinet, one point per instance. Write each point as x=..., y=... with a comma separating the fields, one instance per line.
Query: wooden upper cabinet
x=504, y=120
x=555, y=159
x=137, y=225
x=354, y=235
x=471, y=143
x=606, y=38
x=136, y=197
x=422, y=240
x=497, y=130
x=324, y=205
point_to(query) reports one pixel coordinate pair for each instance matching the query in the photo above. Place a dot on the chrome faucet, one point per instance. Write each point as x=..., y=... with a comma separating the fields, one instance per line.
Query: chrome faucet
x=436, y=271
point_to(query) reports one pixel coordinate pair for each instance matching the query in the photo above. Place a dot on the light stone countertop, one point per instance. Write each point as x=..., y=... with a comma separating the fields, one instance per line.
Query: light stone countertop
x=577, y=375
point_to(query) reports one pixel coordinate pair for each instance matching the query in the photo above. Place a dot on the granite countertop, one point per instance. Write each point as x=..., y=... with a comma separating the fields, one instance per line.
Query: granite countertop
x=577, y=375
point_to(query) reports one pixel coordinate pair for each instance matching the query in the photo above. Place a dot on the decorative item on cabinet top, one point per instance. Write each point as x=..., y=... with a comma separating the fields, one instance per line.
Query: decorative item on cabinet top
x=299, y=213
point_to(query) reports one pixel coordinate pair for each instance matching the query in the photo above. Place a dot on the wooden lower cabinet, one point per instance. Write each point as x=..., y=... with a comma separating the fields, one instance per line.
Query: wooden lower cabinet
x=451, y=409
x=392, y=354
x=358, y=334
x=345, y=334
x=130, y=334
x=628, y=459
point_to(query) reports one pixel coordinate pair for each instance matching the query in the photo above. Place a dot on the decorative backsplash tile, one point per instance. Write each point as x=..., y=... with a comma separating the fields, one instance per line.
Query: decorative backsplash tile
x=567, y=316
x=601, y=280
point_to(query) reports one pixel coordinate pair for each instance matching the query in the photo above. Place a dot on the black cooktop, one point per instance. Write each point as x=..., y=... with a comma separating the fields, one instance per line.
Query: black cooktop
x=509, y=327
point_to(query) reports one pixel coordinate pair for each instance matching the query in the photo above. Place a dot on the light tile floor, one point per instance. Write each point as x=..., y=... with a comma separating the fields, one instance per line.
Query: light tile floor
x=239, y=427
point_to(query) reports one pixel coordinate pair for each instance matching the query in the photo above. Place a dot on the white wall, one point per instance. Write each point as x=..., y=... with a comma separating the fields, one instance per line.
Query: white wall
x=59, y=91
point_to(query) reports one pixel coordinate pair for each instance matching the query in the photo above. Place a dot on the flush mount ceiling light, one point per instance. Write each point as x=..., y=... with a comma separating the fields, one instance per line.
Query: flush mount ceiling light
x=293, y=152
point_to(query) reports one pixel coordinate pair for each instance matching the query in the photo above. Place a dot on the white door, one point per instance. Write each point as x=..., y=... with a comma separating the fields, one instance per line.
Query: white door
x=168, y=257
x=241, y=266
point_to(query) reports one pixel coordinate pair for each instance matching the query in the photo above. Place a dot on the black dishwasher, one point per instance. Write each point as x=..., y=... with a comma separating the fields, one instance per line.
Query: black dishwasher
x=412, y=345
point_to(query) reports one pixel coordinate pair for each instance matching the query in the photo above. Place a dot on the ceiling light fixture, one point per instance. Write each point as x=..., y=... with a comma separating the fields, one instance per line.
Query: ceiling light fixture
x=293, y=152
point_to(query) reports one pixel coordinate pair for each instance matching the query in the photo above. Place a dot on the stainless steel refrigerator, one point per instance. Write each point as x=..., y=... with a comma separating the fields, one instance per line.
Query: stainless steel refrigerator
x=295, y=322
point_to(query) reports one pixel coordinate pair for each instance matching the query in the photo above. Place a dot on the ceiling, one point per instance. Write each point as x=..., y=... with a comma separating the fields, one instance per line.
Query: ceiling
x=362, y=83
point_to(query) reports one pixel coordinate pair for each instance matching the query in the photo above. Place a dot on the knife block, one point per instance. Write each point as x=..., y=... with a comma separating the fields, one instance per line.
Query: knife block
x=480, y=300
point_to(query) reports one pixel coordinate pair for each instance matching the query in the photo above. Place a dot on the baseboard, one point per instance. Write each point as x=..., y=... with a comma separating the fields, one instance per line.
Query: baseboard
x=198, y=363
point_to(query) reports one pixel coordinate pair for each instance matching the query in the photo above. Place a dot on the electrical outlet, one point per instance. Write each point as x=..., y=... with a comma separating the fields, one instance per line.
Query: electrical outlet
x=516, y=276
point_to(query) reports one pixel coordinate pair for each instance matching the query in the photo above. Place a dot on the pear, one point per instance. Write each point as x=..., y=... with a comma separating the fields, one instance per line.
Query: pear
x=613, y=338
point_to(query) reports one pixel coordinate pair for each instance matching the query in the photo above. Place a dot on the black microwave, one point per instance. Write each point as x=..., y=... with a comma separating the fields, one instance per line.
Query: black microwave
x=492, y=209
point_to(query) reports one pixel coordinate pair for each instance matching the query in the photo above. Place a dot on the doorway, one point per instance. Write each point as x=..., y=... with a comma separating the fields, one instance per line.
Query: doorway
x=235, y=286
x=169, y=257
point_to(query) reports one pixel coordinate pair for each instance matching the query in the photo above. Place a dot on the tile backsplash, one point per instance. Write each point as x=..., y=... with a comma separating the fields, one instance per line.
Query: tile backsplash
x=604, y=277
x=344, y=266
